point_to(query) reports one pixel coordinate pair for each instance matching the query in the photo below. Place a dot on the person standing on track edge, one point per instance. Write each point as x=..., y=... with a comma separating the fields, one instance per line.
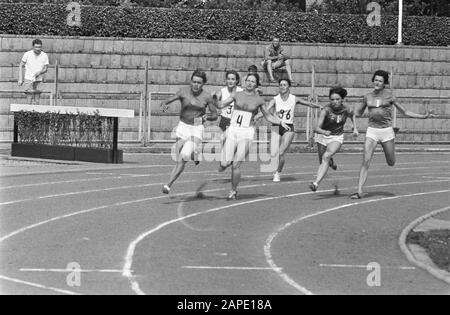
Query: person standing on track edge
x=330, y=132
x=380, y=103
x=241, y=132
x=189, y=132
x=36, y=64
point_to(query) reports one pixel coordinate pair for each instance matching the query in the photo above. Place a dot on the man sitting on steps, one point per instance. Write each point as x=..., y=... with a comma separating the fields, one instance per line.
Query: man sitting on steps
x=276, y=58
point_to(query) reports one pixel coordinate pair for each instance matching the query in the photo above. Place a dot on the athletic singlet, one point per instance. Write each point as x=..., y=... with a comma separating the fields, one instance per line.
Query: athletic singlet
x=227, y=111
x=285, y=109
x=335, y=121
x=380, y=108
x=191, y=114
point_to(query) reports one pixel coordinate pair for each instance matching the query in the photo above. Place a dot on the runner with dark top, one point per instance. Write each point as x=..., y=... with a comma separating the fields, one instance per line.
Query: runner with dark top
x=194, y=101
x=380, y=104
x=330, y=132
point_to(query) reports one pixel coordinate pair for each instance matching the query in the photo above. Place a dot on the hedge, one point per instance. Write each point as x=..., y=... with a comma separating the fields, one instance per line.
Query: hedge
x=98, y=21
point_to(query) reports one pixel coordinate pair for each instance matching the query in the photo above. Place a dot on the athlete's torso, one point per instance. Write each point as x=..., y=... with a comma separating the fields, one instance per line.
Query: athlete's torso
x=335, y=120
x=193, y=107
x=285, y=109
x=380, y=106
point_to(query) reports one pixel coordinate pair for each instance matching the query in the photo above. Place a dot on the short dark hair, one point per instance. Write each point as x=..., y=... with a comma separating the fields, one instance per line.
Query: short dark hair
x=383, y=74
x=338, y=90
x=252, y=68
x=256, y=77
x=287, y=80
x=235, y=73
x=199, y=74
x=37, y=42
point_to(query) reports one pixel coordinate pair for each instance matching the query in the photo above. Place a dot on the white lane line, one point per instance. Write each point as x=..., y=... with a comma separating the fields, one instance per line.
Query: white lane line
x=60, y=182
x=40, y=286
x=6, y=203
x=363, y=267
x=435, y=177
x=56, y=270
x=132, y=247
x=212, y=172
x=277, y=232
x=227, y=268
x=134, y=285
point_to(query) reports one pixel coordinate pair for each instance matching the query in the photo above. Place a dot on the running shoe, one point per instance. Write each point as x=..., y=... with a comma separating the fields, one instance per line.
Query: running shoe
x=232, y=195
x=166, y=190
x=276, y=177
x=313, y=186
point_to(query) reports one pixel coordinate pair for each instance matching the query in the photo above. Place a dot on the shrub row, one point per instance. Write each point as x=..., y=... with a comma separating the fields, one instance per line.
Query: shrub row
x=38, y=19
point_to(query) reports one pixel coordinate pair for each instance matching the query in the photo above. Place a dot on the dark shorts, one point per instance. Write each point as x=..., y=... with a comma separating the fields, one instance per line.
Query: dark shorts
x=224, y=123
x=281, y=131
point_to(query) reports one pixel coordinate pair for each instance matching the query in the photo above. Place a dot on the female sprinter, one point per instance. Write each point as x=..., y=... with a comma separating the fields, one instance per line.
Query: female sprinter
x=380, y=103
x=330, y=132
x=241, y=131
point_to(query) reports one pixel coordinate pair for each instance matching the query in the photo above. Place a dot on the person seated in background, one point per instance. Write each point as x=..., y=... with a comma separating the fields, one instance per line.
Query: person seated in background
x=276, y=58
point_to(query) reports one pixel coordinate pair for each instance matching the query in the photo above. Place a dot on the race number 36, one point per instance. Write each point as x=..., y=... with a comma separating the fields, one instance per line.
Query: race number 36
x=74, y=16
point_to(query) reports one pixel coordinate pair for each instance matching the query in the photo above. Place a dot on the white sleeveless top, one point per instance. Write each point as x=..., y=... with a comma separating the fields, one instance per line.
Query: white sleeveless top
x=228, y=111
x=285, y=110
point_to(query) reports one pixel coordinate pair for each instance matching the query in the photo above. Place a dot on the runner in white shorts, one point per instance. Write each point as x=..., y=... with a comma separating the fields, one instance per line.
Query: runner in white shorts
x=380, y=103
x=189, y=133
x=241, y=131
x=283, y=106
x=330, y=132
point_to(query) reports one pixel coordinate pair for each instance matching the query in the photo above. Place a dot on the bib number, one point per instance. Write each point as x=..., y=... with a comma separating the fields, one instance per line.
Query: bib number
x=241, y=119
x=285, y=115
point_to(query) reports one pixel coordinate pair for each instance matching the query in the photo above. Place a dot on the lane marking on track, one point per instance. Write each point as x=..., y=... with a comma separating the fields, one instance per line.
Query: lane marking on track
x=12, y=202
x=132, y=247
x=56, y=270
x=39, y=286
x=228, y=268
x=60, y=182
x=435, y=177
x=277, y=232
x=363, y=267
x=135, y=286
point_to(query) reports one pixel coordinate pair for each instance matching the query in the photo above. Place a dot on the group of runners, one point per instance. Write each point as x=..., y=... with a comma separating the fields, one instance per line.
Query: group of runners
x=240, y=108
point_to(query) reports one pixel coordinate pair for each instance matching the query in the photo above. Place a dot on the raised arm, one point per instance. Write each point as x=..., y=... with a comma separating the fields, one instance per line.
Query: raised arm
x=165, y=104
x=303, y=102
x=412, y=114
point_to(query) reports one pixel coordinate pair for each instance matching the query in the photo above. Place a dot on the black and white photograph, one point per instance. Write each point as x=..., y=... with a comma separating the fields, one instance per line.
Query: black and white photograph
x=225, y=153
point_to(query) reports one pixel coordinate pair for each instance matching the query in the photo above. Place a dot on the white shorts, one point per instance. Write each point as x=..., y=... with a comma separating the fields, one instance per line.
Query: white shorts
x=381, y=134
x=237, y=138
x=326, y=140
x=186, y=132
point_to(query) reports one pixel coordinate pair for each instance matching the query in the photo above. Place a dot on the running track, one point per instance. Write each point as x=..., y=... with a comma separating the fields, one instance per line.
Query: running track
x=276, y=239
